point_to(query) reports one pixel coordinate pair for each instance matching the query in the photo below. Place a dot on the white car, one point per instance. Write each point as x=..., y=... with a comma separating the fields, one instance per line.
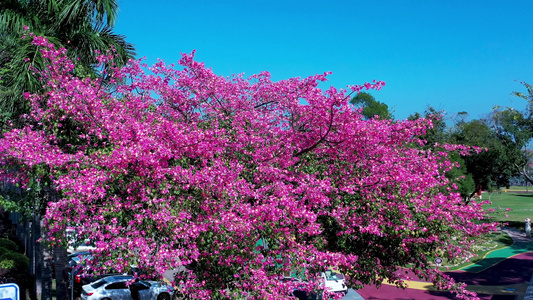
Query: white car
x=334, y=281
x=74, y=248
x=116, y=288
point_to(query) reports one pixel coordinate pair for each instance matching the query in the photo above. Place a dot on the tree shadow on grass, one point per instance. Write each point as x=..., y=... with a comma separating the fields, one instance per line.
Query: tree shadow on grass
x=525, y=195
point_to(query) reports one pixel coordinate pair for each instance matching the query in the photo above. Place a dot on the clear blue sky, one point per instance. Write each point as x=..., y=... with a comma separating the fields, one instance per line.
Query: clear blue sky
x=450, y=54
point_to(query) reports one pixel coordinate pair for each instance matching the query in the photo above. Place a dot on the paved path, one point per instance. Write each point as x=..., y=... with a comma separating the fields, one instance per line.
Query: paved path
x=518, y=236
x=502, y=274
x=521, y=245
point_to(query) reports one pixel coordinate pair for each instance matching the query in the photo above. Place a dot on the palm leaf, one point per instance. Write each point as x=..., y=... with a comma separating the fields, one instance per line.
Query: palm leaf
x=82, y=26
x=99, y=11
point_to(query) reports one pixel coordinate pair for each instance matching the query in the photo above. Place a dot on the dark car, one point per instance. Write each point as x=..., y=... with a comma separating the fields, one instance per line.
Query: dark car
x=300, y=293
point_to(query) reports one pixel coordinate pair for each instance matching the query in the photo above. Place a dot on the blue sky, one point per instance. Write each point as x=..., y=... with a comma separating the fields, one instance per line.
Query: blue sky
x=453, y=55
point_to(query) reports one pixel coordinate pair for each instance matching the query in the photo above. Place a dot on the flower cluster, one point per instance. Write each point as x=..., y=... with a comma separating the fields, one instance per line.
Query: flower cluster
x=237, y=182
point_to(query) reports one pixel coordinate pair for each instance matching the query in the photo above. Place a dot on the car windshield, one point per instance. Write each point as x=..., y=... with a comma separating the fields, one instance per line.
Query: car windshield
x=78, y=258
x=330, y=275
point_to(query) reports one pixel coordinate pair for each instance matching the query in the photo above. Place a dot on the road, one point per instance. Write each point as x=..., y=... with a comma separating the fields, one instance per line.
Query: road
x=352, y=295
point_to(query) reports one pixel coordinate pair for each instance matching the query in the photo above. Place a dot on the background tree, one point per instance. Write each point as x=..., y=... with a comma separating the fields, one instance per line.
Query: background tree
x=371, y=107
x=512, y=128
x=437, y=133
x=528, y=96
x=490, y=167
x=505, y=134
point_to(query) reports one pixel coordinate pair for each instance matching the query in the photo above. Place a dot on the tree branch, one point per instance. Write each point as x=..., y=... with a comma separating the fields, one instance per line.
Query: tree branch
x=303, y=151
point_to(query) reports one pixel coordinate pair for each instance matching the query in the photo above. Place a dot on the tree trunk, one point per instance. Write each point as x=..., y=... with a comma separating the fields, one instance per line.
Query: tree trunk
x=36, y=257
x=60, y=260
x=522, y=170
x=47, y=274
x=43, y=263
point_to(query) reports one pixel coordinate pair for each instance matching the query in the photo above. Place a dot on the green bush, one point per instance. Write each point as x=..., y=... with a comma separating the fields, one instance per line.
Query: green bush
x=9, y=245
x=14, y=268
x=14, y=262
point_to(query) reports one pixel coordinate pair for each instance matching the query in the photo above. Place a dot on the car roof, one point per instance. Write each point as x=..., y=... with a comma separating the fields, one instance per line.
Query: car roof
x=117, y=278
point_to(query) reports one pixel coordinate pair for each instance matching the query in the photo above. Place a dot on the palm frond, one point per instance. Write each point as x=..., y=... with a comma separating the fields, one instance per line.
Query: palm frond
x=124, y=49
x=106, y=9
x=13, y=21
x=100, y=39
x=81, y=26
x=99, y=11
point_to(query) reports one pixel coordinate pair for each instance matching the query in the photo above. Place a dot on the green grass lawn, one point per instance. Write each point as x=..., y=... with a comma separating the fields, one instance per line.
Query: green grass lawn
x=519, y=188
x=520, y=205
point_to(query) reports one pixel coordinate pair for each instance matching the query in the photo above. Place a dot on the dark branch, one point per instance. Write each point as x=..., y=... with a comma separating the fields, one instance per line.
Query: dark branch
x=303, y=151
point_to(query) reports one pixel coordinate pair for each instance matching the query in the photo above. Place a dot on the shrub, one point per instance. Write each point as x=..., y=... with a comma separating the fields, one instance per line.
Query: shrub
x=14, y=262
x=8, y=244
x=14, y=268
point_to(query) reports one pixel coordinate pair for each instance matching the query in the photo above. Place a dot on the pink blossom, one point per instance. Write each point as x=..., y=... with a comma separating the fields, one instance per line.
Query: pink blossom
x=180, y=167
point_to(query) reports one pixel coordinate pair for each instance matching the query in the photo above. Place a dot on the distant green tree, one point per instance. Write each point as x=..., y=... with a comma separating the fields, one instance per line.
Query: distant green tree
x=371, y=107
x=490, y=167
x=513, y=129
x=438, y=133
x=528, y=96
x=505, y=135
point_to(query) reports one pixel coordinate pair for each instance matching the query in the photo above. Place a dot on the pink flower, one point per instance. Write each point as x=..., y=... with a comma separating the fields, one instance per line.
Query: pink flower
x=241, y=179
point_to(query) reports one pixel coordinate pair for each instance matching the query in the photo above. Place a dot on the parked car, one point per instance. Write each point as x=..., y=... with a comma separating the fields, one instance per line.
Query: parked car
x=77, y=257
x=297, y=292
x=116, y=288
x=79, y=280
x=334, y=281
x=76, y=247
x=80, y=274
x=76, y=244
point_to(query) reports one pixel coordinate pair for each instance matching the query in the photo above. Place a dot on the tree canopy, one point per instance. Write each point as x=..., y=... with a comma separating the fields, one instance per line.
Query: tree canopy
x=371, y=107
x=183, y=169
x=505, y=133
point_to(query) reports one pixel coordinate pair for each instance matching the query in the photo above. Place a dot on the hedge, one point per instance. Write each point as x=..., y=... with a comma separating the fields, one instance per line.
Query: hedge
x=9, y=245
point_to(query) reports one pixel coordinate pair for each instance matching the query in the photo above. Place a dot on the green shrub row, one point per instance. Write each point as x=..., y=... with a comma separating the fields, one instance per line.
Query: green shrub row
x=9, y=245
x=12, y=263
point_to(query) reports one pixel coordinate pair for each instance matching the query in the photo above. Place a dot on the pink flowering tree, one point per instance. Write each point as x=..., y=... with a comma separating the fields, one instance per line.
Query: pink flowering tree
x=236, y=182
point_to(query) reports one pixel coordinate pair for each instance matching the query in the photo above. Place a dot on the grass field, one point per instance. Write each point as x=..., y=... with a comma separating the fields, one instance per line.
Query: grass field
x=520, y=205
x=519, y=188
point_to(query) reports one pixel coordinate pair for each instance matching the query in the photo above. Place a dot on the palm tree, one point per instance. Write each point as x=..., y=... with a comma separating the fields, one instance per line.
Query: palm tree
x=82, y=27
